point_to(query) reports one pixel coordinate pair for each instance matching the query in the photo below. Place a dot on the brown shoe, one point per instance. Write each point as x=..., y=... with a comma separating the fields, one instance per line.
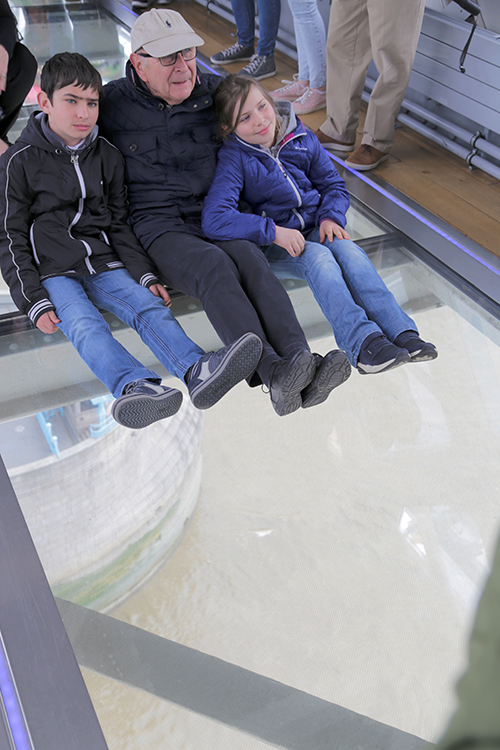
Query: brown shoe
x=366, y=157
x=331, y=144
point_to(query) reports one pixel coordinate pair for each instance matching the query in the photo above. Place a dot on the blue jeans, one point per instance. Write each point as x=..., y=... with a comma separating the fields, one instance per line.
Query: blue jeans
x=310, y=37
x=75, y=300
x=351, y=294
x=269, y=19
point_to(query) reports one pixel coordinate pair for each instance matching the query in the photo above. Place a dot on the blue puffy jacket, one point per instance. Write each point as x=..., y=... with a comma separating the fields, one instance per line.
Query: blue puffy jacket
x=294, y=186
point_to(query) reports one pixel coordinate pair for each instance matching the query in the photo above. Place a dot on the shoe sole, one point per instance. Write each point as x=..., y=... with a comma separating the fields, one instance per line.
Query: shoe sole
x=229, y=62
x=399, y=360
x=334, y=370
x=137, y=410
x=261, y=78
x=239, y=363
x=338, y=146
x=365, y=167
x=424, y=355
x=298, y=379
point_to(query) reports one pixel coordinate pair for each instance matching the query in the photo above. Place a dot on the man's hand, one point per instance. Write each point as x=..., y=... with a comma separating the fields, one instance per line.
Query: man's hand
x=47, y=322
x=291, y=240
x=4, y=65
x=330, y=229
x=159, y=291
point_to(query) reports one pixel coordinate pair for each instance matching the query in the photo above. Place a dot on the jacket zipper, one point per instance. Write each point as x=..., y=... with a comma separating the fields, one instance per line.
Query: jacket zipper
x=286, y=176
x=75, y=162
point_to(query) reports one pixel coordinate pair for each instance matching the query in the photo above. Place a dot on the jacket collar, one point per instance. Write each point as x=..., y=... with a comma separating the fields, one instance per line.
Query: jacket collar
x=58, y=142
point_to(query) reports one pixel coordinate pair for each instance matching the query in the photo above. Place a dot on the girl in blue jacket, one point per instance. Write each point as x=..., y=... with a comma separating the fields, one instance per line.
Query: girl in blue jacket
x=299, y=202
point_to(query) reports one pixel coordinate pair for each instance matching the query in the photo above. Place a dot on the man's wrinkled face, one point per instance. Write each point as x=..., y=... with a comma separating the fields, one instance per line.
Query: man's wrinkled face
x=173, y=84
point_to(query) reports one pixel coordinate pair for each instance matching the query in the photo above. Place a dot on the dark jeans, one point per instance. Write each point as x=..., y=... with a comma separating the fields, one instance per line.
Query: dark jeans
x=20, y=76
x=237, y=289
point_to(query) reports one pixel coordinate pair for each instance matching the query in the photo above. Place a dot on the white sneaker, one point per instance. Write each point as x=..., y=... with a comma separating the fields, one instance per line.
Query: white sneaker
x=290, y=92
x=310, y=101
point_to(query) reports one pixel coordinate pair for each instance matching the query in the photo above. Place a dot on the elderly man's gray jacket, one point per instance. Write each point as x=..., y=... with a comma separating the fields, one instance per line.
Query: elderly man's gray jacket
x=170, y=152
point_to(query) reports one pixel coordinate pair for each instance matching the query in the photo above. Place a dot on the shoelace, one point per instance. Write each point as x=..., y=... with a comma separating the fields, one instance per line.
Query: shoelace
x=308, y=94
x=230, y=50
x=254, y=63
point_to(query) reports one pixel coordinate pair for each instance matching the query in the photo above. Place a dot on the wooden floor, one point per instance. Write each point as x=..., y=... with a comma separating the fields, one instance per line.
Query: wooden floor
x=432, y=176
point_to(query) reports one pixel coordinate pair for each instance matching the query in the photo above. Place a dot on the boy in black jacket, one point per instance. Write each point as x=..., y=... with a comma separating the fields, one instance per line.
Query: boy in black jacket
x=67, y=248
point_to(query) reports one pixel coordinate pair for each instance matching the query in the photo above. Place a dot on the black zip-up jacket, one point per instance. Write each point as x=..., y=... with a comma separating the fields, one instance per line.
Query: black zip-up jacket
x=170, y=152
x=63, y=213
x=8, y=27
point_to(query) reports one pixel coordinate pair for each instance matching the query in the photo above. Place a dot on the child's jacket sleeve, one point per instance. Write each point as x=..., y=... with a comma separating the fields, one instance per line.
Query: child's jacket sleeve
x=325, y=178
x=17, y=263
x=221, y=217
x=121, y=236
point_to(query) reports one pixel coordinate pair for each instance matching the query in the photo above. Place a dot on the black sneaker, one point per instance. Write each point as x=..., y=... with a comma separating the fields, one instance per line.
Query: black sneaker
x=331, y=370
x=259, y=67
x=217, y=372
x=288, y=380
x=419, y=351
x=144, y=402
x=377, y=354
x=237, y=53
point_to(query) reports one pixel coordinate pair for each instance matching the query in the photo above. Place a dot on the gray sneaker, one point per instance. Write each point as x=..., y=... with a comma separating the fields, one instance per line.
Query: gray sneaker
x=259, y=67
x=236, y=53
x=143, y=402
x=217, y=372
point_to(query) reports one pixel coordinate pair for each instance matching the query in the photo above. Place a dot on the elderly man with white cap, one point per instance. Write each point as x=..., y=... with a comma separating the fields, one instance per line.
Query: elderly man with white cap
x=161, y=118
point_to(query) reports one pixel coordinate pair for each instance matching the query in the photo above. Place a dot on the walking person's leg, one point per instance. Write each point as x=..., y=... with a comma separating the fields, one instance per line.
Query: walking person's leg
x=310, y=36
x=394, y=33
x=348, y=56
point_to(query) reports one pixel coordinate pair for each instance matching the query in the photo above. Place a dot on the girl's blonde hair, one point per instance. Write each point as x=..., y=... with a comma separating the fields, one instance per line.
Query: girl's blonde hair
x=231, y=90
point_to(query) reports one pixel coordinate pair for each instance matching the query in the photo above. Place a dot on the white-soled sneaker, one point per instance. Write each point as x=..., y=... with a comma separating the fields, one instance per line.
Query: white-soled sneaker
x=236, y=53
x=290, y=92
x=310, y=101
x=260, y=67
x=216, y=373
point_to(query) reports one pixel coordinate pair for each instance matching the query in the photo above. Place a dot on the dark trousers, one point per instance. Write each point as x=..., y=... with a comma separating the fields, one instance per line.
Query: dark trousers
x=237, y=289
x=20, y=76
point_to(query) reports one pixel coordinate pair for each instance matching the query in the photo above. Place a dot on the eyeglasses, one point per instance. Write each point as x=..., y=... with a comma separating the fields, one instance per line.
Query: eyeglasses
x=187, y=54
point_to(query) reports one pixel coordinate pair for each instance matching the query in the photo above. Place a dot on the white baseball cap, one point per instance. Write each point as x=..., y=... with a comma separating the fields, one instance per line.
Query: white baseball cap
x=162, y=32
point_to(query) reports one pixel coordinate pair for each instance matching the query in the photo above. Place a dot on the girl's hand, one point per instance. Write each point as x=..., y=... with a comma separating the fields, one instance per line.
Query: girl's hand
x=328, y=229
x=291, y=239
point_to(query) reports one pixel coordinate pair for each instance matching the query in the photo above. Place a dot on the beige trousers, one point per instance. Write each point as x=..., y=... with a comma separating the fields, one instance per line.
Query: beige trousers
x=386, y=31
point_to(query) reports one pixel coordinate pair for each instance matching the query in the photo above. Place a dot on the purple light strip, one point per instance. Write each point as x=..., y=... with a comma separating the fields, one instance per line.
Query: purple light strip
x=11, y=702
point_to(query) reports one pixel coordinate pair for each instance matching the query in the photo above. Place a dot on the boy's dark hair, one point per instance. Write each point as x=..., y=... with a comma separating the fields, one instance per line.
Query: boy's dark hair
x=230, y=97
x=66, y=68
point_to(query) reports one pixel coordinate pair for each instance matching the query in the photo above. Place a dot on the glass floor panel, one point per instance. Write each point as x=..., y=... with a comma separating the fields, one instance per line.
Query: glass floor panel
x=339, y=551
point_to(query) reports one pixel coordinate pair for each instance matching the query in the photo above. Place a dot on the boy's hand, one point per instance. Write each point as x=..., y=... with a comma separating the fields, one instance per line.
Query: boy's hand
x=47, y=322
x=330, y=229
x=291, y=240
x=159, y=291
